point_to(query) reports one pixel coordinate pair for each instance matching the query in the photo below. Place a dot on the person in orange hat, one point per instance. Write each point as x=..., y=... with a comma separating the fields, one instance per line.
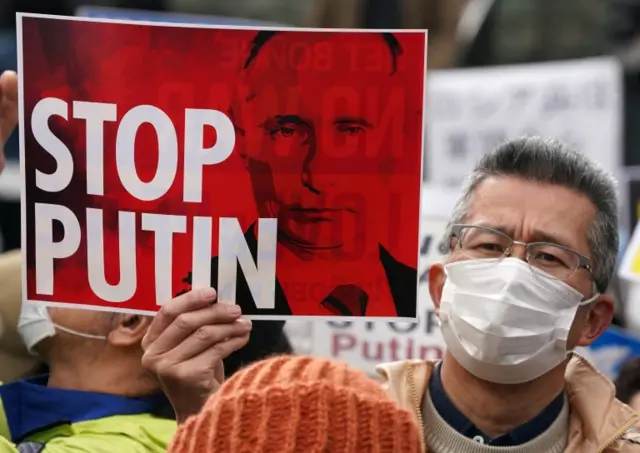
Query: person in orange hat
x=298, y=404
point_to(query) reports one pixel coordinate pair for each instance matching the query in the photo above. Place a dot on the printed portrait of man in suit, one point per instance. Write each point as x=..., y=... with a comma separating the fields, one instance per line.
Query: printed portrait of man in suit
x=323, y=122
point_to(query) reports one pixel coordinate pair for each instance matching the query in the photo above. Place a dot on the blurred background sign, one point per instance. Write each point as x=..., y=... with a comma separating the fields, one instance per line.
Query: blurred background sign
x=470, y=111
x=611, y=350
x=630, y=266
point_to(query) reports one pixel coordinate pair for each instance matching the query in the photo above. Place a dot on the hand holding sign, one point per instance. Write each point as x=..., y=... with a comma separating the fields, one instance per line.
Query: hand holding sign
x=185, y=346
x=8, y=109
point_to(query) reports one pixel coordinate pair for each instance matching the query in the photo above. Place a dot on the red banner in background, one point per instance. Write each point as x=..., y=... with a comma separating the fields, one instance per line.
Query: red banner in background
x=281, y=167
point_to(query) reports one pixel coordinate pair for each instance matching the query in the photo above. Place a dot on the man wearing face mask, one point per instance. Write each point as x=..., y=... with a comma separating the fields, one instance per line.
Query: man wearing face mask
x=533, y=244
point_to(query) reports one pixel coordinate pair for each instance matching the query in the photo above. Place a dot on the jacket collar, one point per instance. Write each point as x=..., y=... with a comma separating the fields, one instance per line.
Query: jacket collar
x=597, y=417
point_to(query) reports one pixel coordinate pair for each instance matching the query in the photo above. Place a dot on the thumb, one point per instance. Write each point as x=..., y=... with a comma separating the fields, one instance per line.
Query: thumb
x=8, y=104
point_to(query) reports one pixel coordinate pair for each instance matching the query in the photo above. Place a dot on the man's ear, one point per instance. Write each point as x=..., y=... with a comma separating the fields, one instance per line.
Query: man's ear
x=597, y=319
x=128, y=330
x=437, y=277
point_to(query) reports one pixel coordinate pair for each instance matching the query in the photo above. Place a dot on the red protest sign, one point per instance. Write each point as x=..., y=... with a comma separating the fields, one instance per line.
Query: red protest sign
x=281, y=167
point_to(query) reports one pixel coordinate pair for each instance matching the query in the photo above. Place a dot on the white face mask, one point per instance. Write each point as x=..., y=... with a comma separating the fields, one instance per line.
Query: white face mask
x=503, y=323
x=35, y=324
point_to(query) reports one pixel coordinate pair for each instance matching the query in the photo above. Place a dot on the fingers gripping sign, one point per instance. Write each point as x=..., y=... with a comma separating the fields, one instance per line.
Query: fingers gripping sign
x=185, y=346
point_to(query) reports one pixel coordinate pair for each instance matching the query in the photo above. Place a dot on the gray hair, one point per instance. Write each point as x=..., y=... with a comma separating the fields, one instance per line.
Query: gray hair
x=549, y=161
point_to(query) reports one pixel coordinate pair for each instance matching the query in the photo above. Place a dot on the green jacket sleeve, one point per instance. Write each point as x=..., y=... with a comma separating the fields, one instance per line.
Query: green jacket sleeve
x=90, y=444
x=141, y=433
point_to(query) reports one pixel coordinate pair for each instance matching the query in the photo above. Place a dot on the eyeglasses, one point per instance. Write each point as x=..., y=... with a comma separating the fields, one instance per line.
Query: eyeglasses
x=544, y=258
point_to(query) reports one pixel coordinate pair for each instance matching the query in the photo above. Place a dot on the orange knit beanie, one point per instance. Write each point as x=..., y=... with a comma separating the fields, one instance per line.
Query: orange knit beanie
x=294, y=404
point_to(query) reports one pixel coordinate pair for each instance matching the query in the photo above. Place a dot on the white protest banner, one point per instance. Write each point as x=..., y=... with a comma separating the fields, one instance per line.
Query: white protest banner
x=470, y=111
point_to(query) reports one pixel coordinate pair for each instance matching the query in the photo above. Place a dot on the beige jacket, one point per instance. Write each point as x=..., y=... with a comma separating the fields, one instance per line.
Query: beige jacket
x=599, y=423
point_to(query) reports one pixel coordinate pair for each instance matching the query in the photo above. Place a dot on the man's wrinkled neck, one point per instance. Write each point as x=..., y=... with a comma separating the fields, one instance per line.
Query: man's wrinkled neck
x=123, y=376
x=497, y=409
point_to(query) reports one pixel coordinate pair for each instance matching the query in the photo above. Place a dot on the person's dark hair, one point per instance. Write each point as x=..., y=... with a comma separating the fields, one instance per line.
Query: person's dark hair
x=262, y=37
x=628, y=381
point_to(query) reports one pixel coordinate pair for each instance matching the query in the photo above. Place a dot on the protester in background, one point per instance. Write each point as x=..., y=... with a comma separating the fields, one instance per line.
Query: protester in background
x=628, y=383
x=440, y=17
x=97, y=388
x=299, y=405
x=533, y=246
x=15, y=361
x=97, y=382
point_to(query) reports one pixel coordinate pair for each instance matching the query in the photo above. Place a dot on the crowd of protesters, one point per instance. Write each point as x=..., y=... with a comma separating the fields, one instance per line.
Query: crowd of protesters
x=199, y=378
x=533, y=244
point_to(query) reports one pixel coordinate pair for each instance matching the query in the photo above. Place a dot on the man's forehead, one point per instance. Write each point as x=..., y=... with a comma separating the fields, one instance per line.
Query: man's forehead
x=533, y=209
